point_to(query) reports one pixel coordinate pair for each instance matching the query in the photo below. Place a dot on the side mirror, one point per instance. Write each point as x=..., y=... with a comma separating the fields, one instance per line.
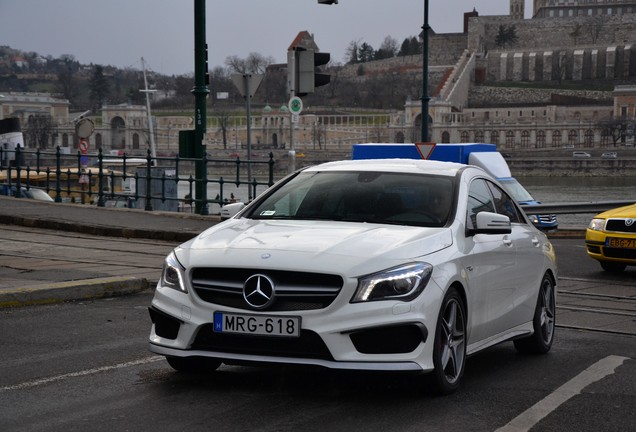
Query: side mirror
x=492, y=223
x=229, y=210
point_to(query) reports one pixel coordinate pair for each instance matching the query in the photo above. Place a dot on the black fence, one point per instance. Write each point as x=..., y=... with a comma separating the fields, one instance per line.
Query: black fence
x=151, y=183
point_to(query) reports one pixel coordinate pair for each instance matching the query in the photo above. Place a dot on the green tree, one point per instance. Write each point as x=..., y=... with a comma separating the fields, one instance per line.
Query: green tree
x=506, y=36
x=366, y=53
x=410, y=46
x=99, y=87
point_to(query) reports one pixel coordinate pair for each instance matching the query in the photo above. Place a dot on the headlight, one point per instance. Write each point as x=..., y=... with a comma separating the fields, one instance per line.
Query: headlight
x=399, y=283
x=172, y=274
x=596, y=224
x=534, y=219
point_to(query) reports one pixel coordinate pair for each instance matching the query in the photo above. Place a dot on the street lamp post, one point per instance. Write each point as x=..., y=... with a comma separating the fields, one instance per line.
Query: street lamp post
x=200, y=92
x=425, y=96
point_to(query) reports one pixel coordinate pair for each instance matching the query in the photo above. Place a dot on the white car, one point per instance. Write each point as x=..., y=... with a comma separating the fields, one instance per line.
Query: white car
x=382, y=265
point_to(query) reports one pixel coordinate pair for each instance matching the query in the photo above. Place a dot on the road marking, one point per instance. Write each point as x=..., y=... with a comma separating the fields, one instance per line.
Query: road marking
x=42, y=381
x=530, y=417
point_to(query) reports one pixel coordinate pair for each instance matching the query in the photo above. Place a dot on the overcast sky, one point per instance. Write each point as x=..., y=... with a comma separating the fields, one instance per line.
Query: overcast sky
x=120, y=32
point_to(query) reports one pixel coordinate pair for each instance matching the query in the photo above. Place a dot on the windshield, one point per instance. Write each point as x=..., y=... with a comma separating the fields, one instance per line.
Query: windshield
x=516, y=191
x=377, y=197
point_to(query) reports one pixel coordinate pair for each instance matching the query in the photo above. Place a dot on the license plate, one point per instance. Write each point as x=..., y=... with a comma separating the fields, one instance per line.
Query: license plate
x=261, y=325
x=621, y=243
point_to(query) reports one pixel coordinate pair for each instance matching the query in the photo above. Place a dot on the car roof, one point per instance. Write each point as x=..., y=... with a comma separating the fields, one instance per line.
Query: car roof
x=414, y=166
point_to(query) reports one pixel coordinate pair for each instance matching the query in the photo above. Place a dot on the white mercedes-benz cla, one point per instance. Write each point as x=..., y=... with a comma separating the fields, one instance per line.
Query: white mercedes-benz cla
x=385, y=265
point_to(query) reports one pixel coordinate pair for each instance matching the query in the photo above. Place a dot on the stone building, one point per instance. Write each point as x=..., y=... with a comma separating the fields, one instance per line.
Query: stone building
x=573, y=8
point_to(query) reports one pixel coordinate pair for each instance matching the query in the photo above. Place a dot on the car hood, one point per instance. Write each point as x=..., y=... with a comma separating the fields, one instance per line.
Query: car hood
x=620, y=212
x=310, y=245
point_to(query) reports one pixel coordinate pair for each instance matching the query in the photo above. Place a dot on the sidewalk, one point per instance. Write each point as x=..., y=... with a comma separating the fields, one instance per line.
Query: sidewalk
x=25, y=280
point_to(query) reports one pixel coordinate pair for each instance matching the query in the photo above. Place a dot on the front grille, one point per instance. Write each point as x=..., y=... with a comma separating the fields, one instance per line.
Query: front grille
x=619, y=225
x=295, y=291
x=547, y=218
x=308, y=345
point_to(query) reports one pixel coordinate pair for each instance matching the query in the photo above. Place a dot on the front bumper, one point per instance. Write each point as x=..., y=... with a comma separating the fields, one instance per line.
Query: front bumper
x=596, y=247
x=383, y=335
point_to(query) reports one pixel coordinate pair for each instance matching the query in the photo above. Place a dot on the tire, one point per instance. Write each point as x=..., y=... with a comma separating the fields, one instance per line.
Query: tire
x=449, y=351
x=544, y=322
x=193, y=365
x=612, y=267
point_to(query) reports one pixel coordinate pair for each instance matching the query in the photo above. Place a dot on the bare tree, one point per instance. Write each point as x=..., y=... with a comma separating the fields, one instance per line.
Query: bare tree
x=351, y=53
x=576, y=32
x=618, y=128
x=38, y=131
x=594, y=26
x=254, y=63
x=388, y=49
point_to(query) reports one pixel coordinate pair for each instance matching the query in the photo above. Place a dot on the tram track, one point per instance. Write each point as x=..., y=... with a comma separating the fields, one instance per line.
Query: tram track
x=605, y=312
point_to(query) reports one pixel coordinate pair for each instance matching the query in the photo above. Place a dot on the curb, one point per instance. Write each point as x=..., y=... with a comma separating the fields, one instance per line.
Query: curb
x=73, y=290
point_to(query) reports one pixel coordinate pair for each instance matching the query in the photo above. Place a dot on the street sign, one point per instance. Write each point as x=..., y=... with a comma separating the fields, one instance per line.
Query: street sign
x=295, y=118
x=84, y=128
x=295, y=105
x=83, y=146
x=241, y=82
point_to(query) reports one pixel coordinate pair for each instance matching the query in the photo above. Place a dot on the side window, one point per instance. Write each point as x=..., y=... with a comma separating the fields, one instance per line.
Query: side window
x=504, y=204
x=479, y=199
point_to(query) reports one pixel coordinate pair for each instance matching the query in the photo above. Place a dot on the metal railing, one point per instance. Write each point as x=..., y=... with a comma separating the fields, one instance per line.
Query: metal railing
x=575, y=207
x=151, y=183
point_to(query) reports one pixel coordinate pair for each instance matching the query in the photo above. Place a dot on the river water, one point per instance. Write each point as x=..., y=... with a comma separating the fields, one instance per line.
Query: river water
x=554, y=190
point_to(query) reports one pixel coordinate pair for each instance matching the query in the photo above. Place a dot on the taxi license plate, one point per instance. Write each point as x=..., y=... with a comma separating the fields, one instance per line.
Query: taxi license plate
x=621, y=243
x=261, y=325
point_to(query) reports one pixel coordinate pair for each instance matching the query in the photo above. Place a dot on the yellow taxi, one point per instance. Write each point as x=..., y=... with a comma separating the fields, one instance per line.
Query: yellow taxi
x=611, y=238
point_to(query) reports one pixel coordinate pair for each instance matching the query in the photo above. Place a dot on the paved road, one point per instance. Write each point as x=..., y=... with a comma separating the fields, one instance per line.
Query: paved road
x=85, y=366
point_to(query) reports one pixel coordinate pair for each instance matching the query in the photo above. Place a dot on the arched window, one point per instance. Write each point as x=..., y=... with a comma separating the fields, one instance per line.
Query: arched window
x=589, y=138
x=540, y=139
x=525, y=139
x=510, y=139
x=399, y=137
x=494, y=137
x=573, y=137
x=556, y=138
x=479, y=136
x=135, y=144
x=465, y=137
x=605, y=138
x=445, y=137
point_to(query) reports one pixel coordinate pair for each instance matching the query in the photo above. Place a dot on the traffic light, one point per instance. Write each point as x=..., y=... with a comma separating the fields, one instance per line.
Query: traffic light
x=307, y=75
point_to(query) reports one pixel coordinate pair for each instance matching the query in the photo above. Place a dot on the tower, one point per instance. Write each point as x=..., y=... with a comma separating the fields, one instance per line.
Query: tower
x=517, y=9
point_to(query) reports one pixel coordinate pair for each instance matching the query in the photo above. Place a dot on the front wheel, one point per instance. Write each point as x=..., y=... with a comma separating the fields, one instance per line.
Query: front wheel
x=449, y=351
x=543, y=322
